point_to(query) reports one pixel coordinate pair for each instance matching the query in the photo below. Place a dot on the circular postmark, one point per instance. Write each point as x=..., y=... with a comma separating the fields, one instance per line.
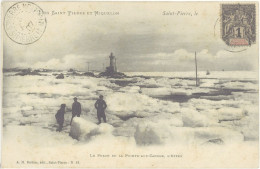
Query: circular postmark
x=24, y=23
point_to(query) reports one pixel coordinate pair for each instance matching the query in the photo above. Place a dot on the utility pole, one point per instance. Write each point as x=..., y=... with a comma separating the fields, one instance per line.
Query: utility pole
x=88, y=66
x=196, y=70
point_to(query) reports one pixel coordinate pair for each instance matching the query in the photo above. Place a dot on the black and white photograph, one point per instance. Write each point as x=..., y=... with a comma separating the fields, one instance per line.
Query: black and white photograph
x=130, y=84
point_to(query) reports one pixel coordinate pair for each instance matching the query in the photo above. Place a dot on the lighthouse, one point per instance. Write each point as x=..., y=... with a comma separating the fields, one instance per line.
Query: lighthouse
x=111, y=70
x=112, y=67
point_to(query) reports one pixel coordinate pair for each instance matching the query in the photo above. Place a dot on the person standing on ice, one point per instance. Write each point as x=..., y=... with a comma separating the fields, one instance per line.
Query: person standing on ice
x=76, y=109
x=60, y=116
x=101, y=105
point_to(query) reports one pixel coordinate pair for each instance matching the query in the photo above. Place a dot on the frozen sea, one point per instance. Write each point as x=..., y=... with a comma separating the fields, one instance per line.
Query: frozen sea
x=145, y=109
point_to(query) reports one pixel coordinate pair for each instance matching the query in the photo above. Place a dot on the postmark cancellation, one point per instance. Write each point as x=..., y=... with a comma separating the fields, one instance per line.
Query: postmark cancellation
x=24, y=23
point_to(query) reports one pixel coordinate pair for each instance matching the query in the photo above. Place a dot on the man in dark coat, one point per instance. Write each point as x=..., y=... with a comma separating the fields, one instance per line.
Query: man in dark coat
x=101, y=105
x=60, y=116
x=76, y=109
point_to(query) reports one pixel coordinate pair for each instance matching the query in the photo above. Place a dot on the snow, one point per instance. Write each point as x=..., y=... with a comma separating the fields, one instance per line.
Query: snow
x=81, y=129
x=208, y=82
x=192, y=118
x=231, y=113
x=36, y=136
x=239, y=85
x=131, y=89
x=165, y=91
x=153, y=133
x=226, y=135
x=84, y=130
x=201, y=74
x=222, y=111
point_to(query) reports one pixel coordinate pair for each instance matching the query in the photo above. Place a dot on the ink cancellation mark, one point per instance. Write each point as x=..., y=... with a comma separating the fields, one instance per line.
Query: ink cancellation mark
x=238, y=24
x=24, y=23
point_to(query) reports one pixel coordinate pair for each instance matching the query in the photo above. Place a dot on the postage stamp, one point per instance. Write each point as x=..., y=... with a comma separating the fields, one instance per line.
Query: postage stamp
x=24, y=23
x=238, y=24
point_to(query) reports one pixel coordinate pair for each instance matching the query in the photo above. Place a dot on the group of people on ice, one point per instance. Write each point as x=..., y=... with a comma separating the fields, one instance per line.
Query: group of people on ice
x=100, y=105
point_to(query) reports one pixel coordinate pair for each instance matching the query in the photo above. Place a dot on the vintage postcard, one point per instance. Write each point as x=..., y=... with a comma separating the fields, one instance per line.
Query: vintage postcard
x=130, y=84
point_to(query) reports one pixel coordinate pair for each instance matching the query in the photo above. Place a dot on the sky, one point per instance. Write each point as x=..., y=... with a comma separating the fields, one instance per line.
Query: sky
x=141, y=38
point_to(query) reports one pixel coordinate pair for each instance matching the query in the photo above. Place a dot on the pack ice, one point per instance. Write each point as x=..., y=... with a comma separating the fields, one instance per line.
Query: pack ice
x=158, y=109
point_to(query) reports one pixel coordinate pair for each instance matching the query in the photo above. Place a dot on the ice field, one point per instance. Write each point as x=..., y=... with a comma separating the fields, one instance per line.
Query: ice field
x=144, y=110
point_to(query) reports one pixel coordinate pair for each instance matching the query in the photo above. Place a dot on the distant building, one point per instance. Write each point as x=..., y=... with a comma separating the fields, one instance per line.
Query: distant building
x=111, y=70
x=112, y=67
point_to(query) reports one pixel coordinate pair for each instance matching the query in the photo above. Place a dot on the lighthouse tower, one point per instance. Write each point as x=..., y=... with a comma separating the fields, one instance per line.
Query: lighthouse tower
x=111, y=70
x=112, y=66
